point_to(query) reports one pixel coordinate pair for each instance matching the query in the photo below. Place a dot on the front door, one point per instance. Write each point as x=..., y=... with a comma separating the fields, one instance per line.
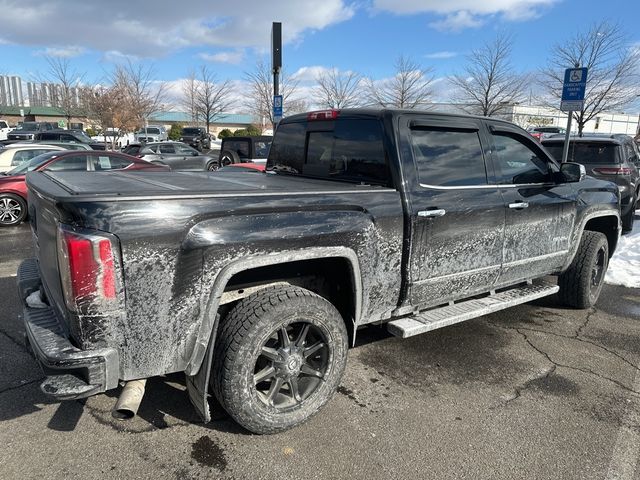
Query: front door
x=457, y=214
x=540, y=210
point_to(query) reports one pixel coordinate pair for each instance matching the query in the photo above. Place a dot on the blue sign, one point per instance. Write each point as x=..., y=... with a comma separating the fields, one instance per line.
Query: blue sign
x=575, y=83
x=277, y=107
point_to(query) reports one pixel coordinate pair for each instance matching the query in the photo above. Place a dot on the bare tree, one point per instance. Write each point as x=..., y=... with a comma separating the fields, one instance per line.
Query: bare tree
x=259, y=100
x=489, y=84
x=612, y=80
x=210, y=98
x=109, y=107
x=410, y=87
x=337, y=89
x=146, y=95
x=189, y=88
x=64, y=85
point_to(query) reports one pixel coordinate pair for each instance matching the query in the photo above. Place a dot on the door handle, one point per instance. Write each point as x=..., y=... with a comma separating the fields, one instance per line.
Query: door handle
x=438, y=212
x=518, y=205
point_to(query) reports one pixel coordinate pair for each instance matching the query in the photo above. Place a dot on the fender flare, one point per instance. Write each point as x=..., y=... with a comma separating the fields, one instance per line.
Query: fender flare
x=579, y=231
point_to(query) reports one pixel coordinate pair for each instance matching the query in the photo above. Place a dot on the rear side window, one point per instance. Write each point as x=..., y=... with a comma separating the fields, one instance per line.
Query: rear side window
x=167, y=149
x=109, y=162
x=352, y=151
x=240, y=146
x=583, y=152
x=448, y=157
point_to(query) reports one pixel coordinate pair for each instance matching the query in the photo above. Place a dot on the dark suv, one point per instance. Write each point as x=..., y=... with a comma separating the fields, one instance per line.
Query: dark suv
x=245, y=149
x=27, y=130
x=615, y=158
x=68, y=136
x=196, y=137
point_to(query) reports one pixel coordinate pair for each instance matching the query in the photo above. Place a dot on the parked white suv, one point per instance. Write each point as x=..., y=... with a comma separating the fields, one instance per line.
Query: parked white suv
x=4, y=129
x=152, y=133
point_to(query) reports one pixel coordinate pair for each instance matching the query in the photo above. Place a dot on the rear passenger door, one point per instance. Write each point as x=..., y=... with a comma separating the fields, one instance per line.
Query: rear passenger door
x=540, y=213
x=456, y=211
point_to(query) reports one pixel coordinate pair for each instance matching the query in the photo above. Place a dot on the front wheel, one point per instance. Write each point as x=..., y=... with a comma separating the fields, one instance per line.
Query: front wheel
x=280, y=356
x=13, y=209
x=213, y=166
x=581, y=284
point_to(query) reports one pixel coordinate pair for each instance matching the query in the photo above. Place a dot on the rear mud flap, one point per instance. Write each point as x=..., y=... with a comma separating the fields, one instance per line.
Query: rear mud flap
x=198, y=384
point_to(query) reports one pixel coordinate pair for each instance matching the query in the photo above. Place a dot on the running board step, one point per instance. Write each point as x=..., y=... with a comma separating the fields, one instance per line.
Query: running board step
x=466, y=310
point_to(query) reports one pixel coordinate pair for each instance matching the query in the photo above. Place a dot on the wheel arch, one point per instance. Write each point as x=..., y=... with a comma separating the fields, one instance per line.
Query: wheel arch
x=607, y=225
x=199, y=366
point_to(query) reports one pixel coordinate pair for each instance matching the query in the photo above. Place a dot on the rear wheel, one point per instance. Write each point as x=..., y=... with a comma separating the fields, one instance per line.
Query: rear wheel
x=13, y=209
x=280, y=358
x=228, y=157
x=581, y=284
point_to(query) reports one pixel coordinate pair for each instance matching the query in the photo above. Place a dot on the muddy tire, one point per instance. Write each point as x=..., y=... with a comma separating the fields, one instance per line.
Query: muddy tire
x=581, y=284
x=280, y=355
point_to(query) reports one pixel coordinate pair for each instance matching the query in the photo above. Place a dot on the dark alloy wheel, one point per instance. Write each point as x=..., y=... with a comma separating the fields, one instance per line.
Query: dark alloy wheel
x=581, y=284
x=13, y=209
x=213, y=166
x=291, y=365
x=279, y=358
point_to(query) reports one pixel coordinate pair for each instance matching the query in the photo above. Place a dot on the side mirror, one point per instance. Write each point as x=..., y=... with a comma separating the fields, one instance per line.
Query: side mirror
x=573, y=172
x=195, y=153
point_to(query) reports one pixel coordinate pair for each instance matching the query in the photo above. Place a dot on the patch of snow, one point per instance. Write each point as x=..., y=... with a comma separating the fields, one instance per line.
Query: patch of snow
x=624, y=266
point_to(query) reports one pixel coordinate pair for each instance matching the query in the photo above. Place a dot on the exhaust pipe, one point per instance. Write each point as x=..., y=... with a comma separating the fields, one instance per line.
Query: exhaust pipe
x=129, y=400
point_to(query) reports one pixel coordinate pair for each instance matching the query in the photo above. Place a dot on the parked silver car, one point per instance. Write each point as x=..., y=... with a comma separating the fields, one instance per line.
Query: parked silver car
x=152, y=133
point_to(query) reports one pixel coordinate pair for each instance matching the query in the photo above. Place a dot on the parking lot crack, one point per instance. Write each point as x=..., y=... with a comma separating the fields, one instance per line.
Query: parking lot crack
x=16, y=387
x=13, y=340
x=570, y=367
x=518, y=390
x=574, y=337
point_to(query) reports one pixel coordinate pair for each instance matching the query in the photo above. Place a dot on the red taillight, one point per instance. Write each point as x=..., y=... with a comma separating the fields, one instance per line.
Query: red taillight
x=87, y=270
x=613, y=170
x=323, y=115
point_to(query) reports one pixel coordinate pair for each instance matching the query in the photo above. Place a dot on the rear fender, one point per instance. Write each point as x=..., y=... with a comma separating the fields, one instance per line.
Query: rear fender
x=199, y=368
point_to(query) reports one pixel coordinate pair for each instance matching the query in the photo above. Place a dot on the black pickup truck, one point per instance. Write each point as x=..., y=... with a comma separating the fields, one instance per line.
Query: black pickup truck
x=255, y=284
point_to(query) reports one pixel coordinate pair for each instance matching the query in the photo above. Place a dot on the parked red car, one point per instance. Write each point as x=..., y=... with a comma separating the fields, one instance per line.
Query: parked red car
x=13, y=188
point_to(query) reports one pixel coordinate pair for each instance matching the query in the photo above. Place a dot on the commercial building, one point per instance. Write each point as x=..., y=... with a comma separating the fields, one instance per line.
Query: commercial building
x=11, y=91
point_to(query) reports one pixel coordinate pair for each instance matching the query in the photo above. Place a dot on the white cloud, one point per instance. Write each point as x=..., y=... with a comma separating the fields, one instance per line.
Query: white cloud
x=63, y=52
x=441, y=55
x=457, y=22
x=457, y=15
x=165, y=27
x=114, y=56
x=234, y=57
x=309, y=74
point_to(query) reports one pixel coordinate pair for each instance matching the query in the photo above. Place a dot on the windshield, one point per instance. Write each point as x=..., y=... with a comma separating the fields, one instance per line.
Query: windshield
x=85, y=138
x=32, y=164
x=27, y=126
x=191, y=131
x=583, y=152
x=151, y=130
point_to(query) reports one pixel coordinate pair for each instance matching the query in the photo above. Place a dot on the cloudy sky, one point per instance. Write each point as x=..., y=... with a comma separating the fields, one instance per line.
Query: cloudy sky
x=360, y=35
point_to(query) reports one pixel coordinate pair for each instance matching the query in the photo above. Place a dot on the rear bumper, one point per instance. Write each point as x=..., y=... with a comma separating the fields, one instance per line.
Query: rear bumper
x=71, y=373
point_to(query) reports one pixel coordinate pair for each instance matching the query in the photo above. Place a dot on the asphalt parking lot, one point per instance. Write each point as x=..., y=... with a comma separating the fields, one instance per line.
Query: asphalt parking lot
x=536, y=391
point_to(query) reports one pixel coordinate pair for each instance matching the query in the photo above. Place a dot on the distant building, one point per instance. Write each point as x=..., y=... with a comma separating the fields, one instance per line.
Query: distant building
x=231, y=121
x=11, y=91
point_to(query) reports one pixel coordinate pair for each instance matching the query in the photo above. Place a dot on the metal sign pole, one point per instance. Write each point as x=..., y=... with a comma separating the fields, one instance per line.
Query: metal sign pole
x=573, y=90
x=567, y=135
